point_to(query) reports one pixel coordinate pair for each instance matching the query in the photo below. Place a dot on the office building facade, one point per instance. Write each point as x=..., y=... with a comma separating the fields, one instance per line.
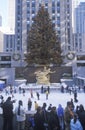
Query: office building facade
x=80, y=18
x=11, y=14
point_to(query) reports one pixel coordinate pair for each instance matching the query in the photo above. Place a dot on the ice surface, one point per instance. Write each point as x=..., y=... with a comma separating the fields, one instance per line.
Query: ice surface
x=55, y=97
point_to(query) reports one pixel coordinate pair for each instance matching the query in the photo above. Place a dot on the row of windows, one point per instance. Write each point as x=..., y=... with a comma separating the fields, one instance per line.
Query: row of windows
x=5, y=58
x=5, y=65
x=46, y=4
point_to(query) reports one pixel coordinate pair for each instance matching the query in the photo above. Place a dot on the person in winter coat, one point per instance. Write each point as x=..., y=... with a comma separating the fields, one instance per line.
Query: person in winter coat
x=36, y=105
x=38, y=120
x=53, y=120
x=20, y=116
x=38, y=95
x=75, y=123
x=46, y=94
x=8, y=114
x=29, y=104
x=60, y=112
x=81, y=115
x=68, y=115
x=45, y=116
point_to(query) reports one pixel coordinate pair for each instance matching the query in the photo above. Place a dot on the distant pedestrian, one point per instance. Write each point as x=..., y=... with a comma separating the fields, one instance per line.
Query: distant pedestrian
x=38, y=95
x=48, y=88
x=31, y=93
x=23, y=91
x=72, y=104
x=62, y=89
x=46, y=94
x=84, y=89
x=41, y=89
x=67, y=89
x=6, y=91
x=29, y=104
x=75, y=96
x=20, y=90
x=36, y=105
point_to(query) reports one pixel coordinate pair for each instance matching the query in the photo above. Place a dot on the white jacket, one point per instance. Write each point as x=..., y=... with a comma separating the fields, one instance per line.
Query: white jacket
x=22, y=116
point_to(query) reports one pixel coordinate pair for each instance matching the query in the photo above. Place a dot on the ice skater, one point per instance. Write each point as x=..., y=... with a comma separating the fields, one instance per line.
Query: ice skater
x=38, y=95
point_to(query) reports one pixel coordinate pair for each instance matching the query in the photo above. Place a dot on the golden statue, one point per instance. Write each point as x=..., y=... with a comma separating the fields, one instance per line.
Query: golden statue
x=43, y=77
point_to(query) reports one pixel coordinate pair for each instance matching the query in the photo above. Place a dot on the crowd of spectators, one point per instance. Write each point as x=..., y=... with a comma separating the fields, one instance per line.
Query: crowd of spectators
x=45, y=118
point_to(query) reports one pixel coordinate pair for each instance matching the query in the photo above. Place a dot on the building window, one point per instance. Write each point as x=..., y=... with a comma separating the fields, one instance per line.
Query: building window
x=46, y=4
x=53, y=3
x=5, y=58
x=28, y=4
x=28, y=11
x=18, y=48
x=33, y=10
x=33, y=4
x=18, y=1
x=58, y=10
x=53, y=17
x=58, y=3
x=5, y=65
x=53, y=9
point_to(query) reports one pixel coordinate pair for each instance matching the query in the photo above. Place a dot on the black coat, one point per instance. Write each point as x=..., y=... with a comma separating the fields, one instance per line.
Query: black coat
x=38, y=122
x=7, y=109
x=82, y=118
x=54, y=122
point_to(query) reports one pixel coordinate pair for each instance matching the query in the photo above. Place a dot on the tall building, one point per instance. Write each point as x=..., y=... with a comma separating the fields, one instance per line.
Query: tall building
x=75, y=3
x=11, y=14
x=7, y=40
x=79, y=30
x=60, y=13
x=0, y=20
x=79, y=38
x=80, y=18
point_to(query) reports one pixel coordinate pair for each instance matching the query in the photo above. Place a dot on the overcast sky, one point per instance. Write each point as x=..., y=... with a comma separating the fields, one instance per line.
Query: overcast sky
x=3, y=10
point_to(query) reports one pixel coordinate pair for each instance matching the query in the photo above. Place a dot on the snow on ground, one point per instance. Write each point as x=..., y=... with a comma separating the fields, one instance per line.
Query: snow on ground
x=55, y=97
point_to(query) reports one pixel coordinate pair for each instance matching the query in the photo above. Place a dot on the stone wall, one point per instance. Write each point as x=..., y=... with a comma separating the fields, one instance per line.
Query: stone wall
x=28, y=73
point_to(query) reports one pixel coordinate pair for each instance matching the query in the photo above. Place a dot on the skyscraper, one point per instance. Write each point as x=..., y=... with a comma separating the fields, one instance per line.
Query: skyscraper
x=75, y=3
x=79, y=29
x=80, y=18
x=0, y=20
x=11, y=14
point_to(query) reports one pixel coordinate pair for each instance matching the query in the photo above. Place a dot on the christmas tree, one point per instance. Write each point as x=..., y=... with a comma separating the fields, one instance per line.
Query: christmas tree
x=43, y=46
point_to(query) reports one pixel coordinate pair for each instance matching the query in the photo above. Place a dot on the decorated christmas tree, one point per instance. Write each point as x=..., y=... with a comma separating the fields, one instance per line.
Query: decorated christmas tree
x=43, y=45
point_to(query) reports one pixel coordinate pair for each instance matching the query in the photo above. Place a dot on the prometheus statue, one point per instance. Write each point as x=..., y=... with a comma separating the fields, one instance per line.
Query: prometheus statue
x=43, y=77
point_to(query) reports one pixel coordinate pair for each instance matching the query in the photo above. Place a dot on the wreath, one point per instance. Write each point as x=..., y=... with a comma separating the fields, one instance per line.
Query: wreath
x=16, y=56
x=70, y=56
